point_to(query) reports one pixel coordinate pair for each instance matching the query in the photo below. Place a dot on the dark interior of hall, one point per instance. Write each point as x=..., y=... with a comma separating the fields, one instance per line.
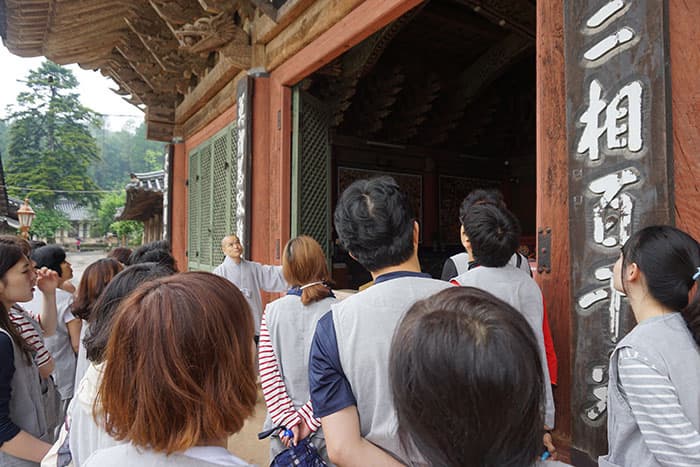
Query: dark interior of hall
x=443, y=99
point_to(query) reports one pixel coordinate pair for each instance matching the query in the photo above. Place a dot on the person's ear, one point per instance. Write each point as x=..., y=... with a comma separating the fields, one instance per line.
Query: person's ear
x=352, y=256
x=632, y=272
x=416, y=233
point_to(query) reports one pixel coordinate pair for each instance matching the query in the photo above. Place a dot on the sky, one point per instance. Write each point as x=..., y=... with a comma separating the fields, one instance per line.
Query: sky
x=94, y=90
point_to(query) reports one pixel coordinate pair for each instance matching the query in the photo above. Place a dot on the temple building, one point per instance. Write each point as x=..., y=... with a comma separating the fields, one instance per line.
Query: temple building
x=585, y=114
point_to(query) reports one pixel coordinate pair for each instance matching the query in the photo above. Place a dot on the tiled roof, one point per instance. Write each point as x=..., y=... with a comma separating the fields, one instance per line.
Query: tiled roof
x=74, y=211
x=148, y=181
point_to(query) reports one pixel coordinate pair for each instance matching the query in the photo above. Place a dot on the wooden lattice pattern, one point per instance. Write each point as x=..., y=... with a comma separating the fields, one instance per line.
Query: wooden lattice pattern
x=211, y=214
x=314, y=171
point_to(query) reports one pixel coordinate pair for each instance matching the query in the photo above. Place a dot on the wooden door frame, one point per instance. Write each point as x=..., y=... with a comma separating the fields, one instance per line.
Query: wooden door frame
x=553, y=199
x=272, y=117
x=271, y=185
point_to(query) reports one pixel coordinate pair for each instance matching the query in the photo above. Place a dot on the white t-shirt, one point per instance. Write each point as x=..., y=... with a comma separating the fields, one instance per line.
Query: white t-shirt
x=59, y=344
x=215, y=455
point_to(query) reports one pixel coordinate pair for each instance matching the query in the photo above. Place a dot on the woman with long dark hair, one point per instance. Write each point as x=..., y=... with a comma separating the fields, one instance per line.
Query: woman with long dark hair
x=286, y=331
x=23, y=427
x=654, y=375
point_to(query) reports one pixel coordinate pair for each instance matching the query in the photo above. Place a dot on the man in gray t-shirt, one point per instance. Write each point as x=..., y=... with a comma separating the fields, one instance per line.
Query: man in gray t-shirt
x=348, y=363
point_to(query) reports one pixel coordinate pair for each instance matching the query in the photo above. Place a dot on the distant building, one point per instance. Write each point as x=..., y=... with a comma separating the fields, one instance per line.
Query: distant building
x=81, y=220
x=144, y=202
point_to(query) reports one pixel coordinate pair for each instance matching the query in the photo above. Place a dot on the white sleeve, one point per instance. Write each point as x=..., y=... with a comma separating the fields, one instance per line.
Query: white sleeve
x=270, y=278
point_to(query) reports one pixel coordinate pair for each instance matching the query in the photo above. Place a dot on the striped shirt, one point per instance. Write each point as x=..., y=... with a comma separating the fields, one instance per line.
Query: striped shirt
x=279, y=404
x=655, y=405
x=28, y=331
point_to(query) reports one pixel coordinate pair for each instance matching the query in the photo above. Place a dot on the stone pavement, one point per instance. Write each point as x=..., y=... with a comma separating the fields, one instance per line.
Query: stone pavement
x=245, y=444
x=81, y=260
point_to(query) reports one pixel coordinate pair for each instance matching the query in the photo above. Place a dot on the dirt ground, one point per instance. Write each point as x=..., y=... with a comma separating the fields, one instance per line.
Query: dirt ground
x=245, y=444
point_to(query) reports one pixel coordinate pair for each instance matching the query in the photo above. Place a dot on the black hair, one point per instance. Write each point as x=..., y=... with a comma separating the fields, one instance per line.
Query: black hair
x=49, y=256
x=36, y=244
x=494, y=234
x=154, y=252
x=467, y=381
x=374, y=222
x=12, y=250
x=102, y=313
x=480, y=196
x=669, y=259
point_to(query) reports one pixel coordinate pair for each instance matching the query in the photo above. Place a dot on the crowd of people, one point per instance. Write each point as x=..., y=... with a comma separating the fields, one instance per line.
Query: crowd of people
x=145, y=365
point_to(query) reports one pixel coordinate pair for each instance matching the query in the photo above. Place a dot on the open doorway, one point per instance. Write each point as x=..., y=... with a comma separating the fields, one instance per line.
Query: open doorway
x=442, y=99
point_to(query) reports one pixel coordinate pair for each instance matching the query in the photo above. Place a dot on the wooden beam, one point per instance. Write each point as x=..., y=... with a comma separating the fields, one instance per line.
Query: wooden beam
x=266, y=8
x=265, y=28
x=472, y=81
x=517, y=15
x=304, y=29
x=217, y=105
x=224, y=71
x=349, y=31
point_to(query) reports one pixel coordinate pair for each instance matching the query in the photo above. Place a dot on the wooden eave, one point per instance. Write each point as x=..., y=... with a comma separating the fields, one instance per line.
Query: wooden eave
x=179, y=56
x=142, y=205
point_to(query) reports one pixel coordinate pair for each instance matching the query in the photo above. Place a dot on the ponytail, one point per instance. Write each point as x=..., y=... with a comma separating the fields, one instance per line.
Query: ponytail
x=314, y=292
x=691, y=313
x=670, y=261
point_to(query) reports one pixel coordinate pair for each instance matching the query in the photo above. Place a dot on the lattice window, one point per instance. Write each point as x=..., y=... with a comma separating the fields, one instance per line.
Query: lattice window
x=312, y=171
x=211, y=211
x=193, y=198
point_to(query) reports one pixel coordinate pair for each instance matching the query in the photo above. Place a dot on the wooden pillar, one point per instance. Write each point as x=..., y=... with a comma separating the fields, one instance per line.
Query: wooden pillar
x=553, y=202
x=260, y=216
x=178, y=221
x=684, y=17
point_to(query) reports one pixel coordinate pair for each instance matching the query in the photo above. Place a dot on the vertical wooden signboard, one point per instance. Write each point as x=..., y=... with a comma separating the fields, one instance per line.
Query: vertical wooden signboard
x=243, y=127
x=618, y=128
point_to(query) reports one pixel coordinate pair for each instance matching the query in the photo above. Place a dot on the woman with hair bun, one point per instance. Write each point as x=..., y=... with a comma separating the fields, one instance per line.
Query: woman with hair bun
x=286, y=332
x=168, y=389
x=654, y=375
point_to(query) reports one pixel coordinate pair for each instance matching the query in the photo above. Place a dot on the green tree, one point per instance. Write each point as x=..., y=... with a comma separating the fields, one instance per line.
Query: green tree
x=49, y=221
x=3, y=137
x=128, y=232
x=123, y=152
x=50, y=144
x=109, y=204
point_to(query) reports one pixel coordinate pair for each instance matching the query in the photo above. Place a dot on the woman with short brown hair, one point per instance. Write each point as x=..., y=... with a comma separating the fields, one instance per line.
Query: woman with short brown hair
x=179, y=376
x=286, y=331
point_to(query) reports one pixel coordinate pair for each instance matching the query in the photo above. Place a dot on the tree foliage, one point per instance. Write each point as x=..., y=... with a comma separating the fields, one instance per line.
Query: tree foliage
x=49, y=221
x=50, y=143
x=109, y=204
x=123, y=152
x=128, y=231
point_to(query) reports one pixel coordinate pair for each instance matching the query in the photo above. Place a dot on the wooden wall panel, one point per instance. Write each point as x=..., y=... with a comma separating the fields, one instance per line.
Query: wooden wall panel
x=684, y=17
x=552, y=198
